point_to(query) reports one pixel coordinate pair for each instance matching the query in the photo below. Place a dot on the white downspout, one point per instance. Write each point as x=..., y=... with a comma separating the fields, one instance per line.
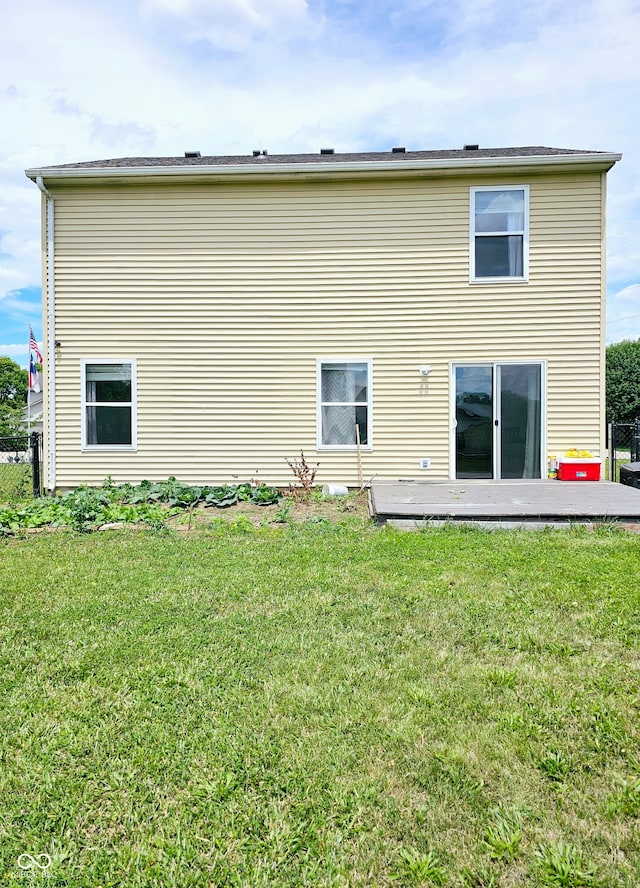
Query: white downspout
x=51, y=338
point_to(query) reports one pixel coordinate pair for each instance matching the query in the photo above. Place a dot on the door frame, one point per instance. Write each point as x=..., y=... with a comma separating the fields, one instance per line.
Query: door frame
x=496, y=406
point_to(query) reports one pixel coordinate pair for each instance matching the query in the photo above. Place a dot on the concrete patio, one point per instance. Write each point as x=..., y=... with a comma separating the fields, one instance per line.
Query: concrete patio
x=411, y=502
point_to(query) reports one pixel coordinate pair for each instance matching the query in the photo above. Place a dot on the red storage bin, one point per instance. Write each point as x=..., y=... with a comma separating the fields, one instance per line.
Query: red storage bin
x=578, y=469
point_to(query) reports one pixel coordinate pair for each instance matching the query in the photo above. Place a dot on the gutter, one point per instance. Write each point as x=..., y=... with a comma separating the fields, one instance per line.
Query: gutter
x=51, y=340
x=601, y=161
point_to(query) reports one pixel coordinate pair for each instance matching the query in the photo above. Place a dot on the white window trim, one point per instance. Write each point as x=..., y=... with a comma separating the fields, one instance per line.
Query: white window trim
x=369, y=404
x=92, y=448
x=472, y=236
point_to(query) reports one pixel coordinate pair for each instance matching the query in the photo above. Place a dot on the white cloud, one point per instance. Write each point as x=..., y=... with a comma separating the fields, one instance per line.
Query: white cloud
x=231, y=24
x=17, y=306
x=226, y=76
x=623, y=313
x=9, y=278
x=631, y=293
x=17, y=352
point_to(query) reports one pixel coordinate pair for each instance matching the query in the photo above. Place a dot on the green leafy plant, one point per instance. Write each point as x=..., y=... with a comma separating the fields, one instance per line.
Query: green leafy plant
x=417, y=867
x=263, y=495
x=626, y=800
x=563, y=865
x=231, y=494
x=222, y=497
x=316, y=521
x=242, y=523
x=503, y=836
x=555, y=765
x=479, y=878
x=283, y=514
x=86, y=508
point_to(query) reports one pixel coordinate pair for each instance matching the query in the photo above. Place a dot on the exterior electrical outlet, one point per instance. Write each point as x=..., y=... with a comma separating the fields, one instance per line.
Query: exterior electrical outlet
x=425, y=463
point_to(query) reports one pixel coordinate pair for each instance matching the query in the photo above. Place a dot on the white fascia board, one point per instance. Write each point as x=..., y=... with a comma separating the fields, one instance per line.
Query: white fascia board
x=601, y=161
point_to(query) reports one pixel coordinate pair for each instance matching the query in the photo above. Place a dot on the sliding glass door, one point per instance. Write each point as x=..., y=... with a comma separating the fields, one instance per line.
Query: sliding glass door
x=498, y=420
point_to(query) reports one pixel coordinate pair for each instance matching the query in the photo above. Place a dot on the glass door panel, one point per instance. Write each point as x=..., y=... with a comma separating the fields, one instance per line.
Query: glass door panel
x=520, y=411
x=474, y=421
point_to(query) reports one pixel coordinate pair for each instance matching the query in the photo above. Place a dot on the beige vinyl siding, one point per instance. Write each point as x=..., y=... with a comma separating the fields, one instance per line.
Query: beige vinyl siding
x=226, y=294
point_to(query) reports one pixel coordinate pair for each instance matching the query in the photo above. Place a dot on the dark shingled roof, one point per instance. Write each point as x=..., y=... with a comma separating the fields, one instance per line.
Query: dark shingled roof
x=356, y=158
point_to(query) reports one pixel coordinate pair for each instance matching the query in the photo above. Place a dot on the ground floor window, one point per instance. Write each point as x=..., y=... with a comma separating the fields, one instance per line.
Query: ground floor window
x=344, y=403
x=108, y=409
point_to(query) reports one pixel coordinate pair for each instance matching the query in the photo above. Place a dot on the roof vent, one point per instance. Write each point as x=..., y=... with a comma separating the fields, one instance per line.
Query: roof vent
x=398, y=150
x=327, y=151
x=259, y=152
x=192, y=154
x=471, y=147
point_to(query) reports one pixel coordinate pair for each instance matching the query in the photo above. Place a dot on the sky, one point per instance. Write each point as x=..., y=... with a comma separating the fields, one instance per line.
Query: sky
x=94, y=79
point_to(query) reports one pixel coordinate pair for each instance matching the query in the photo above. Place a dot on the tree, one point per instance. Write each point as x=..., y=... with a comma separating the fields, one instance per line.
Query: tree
x=623, y=381
x=13, y=397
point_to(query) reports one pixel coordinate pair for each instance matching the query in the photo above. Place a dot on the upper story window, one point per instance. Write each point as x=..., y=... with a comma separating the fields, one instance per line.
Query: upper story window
x=344, y=402
x=499, y=241
x=109, y=405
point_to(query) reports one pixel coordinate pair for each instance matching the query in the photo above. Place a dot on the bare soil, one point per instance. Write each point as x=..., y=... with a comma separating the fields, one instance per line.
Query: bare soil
x=290, y=510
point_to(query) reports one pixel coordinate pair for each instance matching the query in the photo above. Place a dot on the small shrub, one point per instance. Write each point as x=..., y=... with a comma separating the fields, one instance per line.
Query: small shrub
x=305, y=476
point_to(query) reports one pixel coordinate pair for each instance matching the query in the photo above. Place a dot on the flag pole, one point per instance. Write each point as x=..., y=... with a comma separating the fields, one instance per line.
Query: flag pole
x=29, y=388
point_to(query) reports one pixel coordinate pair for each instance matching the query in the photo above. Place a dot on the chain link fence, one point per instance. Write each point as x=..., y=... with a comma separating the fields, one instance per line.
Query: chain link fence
x=624, y=446
x=20, y=467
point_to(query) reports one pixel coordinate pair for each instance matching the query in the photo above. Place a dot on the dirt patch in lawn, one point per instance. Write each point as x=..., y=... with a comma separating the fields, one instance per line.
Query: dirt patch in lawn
x=290, y=510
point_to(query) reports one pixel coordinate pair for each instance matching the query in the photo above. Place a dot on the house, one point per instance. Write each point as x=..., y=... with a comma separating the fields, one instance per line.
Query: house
x=209, y=317
x=33, y=411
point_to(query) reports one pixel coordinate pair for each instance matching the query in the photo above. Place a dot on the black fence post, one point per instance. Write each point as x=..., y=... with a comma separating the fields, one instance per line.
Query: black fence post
x=611, y=441
x=35, y=463
x=635, y=447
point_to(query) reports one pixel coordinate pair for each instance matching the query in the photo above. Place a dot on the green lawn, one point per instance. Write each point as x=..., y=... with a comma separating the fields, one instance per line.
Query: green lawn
x=322, y=705
x=15, y=482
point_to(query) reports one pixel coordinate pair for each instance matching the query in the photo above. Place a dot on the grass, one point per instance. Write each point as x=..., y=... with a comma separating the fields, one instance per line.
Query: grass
x=321, y=705
x=15, y=482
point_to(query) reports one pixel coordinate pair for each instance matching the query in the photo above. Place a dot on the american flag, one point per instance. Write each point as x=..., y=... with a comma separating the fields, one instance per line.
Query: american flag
x=34, y=347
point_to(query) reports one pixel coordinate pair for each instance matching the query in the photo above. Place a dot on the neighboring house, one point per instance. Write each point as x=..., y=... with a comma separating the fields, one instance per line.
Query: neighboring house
x=33, y=411
x=13, y=449
x=208, y=317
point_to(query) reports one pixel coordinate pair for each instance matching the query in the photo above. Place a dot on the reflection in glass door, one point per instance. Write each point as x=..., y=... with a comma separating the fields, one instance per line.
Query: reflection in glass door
x=520, y=396
x=474, y=421
x=498, y=420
